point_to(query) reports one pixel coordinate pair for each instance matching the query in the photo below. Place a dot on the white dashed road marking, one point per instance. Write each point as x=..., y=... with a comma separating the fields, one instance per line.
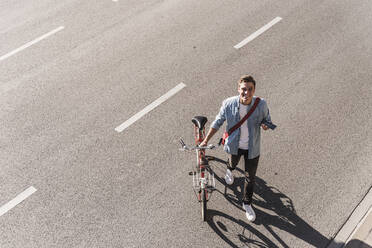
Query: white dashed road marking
x=258, y=32
x=19, y=198
x=150, y=107
x=31, y=43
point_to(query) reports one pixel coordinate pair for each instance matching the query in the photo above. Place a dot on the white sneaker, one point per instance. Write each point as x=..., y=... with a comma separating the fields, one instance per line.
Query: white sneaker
x=229, y=177
x=249, y=212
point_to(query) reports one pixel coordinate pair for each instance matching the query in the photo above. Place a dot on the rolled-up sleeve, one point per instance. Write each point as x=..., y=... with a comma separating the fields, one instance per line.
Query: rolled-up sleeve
x=266, y=112
x=220, y=117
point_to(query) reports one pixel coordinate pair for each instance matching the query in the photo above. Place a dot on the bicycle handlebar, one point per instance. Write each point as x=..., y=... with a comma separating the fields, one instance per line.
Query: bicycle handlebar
x=190, y=148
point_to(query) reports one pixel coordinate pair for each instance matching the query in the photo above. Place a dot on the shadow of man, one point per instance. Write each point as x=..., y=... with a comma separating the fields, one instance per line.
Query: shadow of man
x=273, y=209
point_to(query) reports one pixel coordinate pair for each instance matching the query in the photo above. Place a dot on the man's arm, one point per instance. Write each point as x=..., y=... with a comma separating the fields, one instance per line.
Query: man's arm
x=210, y=134
x=267, y=116
x=216, y=124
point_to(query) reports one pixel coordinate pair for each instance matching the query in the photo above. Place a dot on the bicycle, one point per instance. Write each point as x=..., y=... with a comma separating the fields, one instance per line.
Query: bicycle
x=202, y=176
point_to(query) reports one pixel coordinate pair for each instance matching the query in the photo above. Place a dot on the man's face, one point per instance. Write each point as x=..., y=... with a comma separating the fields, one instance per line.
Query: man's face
x=246, y=92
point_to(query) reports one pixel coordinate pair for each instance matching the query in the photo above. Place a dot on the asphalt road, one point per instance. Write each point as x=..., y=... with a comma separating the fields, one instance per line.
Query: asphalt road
x=62, y=98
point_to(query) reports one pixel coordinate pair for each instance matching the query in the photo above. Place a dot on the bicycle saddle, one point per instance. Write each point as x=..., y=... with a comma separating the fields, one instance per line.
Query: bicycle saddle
x=199, y=121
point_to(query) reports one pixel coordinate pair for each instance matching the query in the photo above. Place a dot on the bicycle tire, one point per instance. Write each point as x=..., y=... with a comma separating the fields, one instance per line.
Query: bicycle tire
x=204, y=204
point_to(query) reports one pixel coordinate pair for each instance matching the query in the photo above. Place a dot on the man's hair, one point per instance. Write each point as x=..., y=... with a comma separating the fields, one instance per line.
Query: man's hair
x=247, y=79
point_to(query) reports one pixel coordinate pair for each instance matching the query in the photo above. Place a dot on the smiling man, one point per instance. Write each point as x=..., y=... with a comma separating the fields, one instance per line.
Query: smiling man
x=244, y=139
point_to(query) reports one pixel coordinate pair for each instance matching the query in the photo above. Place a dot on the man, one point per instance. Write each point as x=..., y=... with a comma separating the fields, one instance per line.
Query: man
x=245, y=140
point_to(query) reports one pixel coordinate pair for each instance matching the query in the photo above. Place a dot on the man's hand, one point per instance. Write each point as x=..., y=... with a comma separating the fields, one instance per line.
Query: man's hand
x=204, y=143
x=264, y=127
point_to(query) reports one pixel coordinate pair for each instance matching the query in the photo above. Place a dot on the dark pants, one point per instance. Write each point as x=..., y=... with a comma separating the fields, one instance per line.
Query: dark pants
x=250, y=167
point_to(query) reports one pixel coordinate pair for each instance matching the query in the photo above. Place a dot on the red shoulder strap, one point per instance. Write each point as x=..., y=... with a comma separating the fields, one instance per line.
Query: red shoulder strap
x=237, y=125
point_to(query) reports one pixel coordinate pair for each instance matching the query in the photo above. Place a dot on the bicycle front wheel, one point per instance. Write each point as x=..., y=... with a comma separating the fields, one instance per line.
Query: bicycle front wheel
x=203, y=202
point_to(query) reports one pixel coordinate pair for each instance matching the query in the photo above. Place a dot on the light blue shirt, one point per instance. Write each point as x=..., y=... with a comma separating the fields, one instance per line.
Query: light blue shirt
x=230, y=112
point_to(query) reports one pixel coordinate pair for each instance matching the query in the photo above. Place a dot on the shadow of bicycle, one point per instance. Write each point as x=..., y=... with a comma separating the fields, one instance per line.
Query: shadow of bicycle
x=274, y=210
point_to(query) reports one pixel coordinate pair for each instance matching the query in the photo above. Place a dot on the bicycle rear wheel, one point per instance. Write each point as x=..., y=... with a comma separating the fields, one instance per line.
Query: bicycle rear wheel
x=203, y=198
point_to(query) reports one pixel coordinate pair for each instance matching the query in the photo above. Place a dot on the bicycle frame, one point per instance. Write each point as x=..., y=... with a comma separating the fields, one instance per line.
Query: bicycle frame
x=204, y=179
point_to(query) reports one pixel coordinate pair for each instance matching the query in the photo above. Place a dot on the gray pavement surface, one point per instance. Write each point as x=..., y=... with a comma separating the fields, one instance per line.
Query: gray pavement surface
x=356, y=232
x=362, y=238
x=62, y=98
